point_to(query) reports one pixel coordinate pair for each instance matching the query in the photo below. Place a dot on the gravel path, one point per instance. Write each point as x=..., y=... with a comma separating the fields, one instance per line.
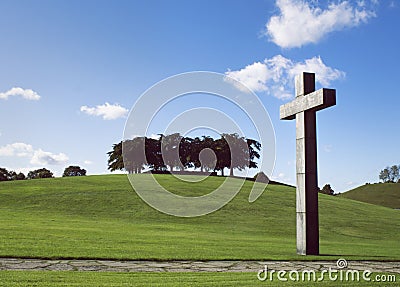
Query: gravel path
x=189, y=266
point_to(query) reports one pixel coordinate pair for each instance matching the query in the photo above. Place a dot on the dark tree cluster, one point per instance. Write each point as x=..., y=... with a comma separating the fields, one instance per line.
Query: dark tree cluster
x=327, y=190
x=6, y=175
x=175, y=152
x=40, y=173
x=390, y=174
x=74, y=170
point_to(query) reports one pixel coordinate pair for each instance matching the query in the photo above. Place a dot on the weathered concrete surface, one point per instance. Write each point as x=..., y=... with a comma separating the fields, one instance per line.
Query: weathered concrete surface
x=304, y=108
x=317, y=100
x=188, y=266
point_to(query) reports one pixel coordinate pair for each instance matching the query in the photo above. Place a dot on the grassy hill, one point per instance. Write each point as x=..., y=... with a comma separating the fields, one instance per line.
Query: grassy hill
x=102, y=217
x=385, y=194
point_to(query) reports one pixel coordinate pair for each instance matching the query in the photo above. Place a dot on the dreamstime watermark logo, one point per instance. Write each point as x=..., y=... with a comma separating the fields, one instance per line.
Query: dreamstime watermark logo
x=204, y=116
x=340, y=273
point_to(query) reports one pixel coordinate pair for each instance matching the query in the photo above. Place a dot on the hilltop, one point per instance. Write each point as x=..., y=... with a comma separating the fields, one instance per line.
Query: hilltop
x=384, y=194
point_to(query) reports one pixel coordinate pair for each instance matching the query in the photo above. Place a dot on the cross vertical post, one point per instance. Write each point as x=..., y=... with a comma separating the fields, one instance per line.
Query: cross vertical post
x=303, y=108
x=307, y=234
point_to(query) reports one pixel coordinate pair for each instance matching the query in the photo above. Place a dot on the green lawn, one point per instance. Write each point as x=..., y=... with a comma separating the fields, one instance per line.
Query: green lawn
x=103, y=279
x=385, y=194
x=101, y=217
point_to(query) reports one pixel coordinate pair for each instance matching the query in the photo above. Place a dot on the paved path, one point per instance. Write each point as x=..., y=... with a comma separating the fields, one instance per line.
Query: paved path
x=189, y=266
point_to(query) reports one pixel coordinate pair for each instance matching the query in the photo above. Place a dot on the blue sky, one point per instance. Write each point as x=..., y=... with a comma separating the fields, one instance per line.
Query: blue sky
x=70, y=71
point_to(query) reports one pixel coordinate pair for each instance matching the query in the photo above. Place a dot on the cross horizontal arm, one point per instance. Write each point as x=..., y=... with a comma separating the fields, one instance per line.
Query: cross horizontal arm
x=316, y=101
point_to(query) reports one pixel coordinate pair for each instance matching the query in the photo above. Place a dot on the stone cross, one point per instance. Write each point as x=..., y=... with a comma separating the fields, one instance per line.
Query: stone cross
x=304, y=108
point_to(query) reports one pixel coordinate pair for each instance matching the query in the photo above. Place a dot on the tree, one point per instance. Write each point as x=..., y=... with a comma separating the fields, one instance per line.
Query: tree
x=242, y=152
x=327, y=190
x=196, y=145
x=40, y=173
x=394, y=173
x=254, y=147
x=186, y=152
x=390, y=174
x=203, y=154
x=20, y=176
x=74, y=171
x=384, y=175
x=236, y=145
x=207, y=159
x=4, y=174
x=222, y=151
x=170, y=150
x=115, y=160
x=153, y=154
x=134, y=154
x=180, y=152
x=12, y=175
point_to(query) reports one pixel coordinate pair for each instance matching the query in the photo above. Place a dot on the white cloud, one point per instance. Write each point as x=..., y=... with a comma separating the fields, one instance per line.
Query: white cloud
x=324, y=74
x=254, y=76
x=88, y=162
x=27, y=94
x=107, y=111
x=16, y=149
x=41, y=157
x=301, y=22
x=275, y=76
x=37, y=157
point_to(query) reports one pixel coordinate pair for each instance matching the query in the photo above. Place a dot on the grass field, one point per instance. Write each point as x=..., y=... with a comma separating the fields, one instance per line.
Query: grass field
x=385, y=194
x=103, y=279
x=101, y=217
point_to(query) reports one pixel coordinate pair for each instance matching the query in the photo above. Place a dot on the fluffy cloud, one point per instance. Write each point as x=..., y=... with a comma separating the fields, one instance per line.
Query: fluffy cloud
x=27, y=94
x=275, y=76
x=41, y=157
x=16, y=149
x=38, y=157
x=107, y=111
x=299, y=22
